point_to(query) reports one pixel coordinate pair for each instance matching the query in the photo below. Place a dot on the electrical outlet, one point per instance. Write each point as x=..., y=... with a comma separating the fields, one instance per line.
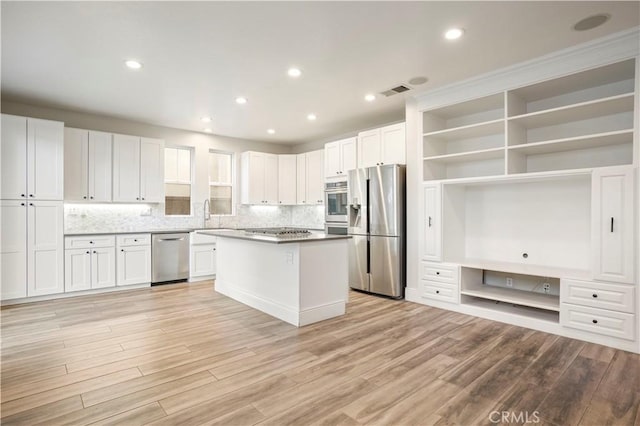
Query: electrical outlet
x=289, y=257
x=509, y=282
x=546, y=287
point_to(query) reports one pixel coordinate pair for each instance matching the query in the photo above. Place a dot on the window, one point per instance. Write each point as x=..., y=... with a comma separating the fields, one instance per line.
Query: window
x=221, y=173
x=177, y=181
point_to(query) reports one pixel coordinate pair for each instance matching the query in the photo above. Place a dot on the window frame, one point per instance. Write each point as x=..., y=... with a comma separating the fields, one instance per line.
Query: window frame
x=191, y=151
x=232, y=185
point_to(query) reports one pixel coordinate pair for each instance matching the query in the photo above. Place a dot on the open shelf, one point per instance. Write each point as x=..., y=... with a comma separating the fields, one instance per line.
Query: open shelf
x=464, y=114
x=576, y=112
x=574, y=143
x=508, y=308
x=522, y=268
x=470, y=131
x=533, y=300
x=483, y=154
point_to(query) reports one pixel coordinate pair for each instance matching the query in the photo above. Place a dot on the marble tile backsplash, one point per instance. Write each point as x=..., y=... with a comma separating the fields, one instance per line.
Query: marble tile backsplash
x=101, y=218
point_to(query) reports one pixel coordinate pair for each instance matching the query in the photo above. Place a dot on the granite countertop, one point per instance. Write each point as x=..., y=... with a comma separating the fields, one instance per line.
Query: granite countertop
x=144, y=231
x=242, y=235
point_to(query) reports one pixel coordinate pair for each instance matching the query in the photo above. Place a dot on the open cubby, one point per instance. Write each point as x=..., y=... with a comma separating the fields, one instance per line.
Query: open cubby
x=538, y=226
x=470, y=164
x=526, y=290
x=464, y=114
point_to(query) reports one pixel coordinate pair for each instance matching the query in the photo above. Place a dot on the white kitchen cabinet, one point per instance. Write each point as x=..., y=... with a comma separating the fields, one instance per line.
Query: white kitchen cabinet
x=87, y=165
x=202, y=256
x=32, y=159
x=151, y=170
x=301, y=179
x=432, y=241
x=612, y=224
x=126, y=168
x=339, y=158
x=287, y=176
x=385, y=145
x=259, y=181
x=133, y=265
x=315, y=177
x=138, y=169
x=13, y=248
x=91, y=266
x=45, y=248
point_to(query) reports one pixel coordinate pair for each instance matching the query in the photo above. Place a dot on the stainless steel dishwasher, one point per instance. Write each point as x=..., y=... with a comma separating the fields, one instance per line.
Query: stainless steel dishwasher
x=169, y=257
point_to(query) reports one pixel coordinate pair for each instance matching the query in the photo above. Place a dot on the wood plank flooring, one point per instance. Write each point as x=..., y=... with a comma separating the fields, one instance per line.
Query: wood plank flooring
x=185, y=355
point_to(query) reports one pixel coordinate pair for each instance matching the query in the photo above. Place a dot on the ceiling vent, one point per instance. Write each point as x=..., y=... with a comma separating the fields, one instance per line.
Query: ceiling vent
x=395, y=90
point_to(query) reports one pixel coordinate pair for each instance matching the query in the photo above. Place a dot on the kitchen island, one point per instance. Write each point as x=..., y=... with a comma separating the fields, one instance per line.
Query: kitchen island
x=300, y=279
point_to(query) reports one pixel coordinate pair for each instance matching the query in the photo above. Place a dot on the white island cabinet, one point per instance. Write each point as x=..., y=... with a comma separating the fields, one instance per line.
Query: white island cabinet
x=298, y=280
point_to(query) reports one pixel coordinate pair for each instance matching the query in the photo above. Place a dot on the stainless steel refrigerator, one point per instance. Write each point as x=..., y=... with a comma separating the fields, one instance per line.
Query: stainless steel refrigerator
x=376, y=215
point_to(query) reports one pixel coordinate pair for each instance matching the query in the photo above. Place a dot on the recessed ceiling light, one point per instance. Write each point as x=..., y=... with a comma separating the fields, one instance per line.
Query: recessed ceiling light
x=134, y=65
x=591, y=22
x=240, y=100
x=370, y=97
x=418, y=80
x=294, y=72
x=454, y=33
x=206, y=119
x=208, y=130
x=311, y=117
x=271, y=131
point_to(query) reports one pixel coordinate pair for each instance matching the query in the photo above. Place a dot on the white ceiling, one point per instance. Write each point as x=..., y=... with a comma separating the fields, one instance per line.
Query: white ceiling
x=199, y=56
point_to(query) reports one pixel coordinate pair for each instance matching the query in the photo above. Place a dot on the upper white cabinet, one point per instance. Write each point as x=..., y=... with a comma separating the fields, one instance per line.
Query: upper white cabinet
x=32, y=158
x=310, y=171
x=138, y=169
x=432, y=241
x=87, y=165
x=287, y=176
x=612, y=224
x=339, y=158
x=315, y=177
x=385, y=145
x=259, y=181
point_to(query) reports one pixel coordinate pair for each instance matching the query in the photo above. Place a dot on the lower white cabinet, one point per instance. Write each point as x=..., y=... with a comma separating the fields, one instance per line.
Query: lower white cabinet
x=432, y=240
x=89, y=267
x=202, y=257
x=133, y=265
x=32, y=250
x=600, y=321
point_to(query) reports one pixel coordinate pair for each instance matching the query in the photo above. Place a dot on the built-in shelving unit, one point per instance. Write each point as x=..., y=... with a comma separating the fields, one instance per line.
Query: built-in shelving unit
x=584, y=120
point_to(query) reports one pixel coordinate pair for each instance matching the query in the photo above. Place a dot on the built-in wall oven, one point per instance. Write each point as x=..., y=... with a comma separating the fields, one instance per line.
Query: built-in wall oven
x=335, y=202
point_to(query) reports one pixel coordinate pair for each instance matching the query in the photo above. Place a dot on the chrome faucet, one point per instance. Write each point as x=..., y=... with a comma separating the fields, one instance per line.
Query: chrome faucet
x=206, y=214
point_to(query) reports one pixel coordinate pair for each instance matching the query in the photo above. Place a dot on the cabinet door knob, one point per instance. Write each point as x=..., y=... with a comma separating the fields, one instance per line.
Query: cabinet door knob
x=137, y=198
x=31, y=195
x=84, y=197
x=94, y=252
x=31, y=204
x=437, y=291
x=91, y=197
x=121, y=249
x=142, y=198
x=594, y=321
x=88, y=252
x=22, y=204
x=22, y=195
x=214, y=249
x=595, y=296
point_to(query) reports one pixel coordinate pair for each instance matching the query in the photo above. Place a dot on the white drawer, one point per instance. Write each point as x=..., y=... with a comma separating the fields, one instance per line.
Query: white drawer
x=601, y=321
x=439, y=291
x=439, y=272
x=89, y=241
x=617, y=297
x=197, y=238
x=126, y=240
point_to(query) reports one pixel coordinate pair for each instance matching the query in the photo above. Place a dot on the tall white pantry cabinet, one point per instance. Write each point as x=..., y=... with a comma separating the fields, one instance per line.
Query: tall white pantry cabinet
x=529, y=203
x=31, y=211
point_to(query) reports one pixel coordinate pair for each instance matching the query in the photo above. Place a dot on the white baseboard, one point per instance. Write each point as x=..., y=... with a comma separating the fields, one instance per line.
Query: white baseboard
x=285, y=313
x=73, y=294
x=202, y=278
x=319, y=313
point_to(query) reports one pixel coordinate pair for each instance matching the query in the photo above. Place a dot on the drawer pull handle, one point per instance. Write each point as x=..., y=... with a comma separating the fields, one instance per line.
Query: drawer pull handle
x=22, y=204
x=437, y=273
x=135, y=241
x=90, y=242
x=595, y=296
x=437, y=291
x=594, y=321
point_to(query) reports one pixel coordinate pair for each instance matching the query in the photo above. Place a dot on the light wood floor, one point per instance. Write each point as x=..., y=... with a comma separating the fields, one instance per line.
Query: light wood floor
x=185, y=355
